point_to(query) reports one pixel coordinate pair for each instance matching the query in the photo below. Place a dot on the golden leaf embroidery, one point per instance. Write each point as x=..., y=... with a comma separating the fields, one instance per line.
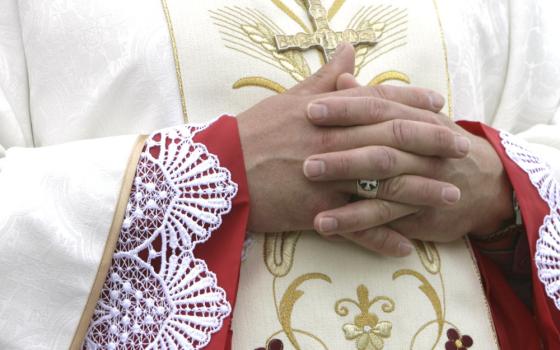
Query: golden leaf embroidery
x=252, y=33
x=279, y=250
x=291, y=14
x=430, y=293
x=389, y=75
x=336, y=6
x=259, y=82
x=391, y=20
x=291, y=296
x=429, y=256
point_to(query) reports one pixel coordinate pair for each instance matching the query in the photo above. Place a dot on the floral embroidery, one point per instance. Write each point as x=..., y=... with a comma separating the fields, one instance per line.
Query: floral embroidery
x=157, y=295
x=367, y=330
x=274, y=344
x=457, y=341
x=368, y=336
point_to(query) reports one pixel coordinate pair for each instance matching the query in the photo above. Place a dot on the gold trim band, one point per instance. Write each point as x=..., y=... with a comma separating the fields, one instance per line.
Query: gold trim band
x=110, y=245
x=178, y=70
x=446, y=61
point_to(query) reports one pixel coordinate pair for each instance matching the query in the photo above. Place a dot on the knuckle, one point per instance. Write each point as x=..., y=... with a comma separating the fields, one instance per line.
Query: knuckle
x=343, y=166
x=321, y=73
x=351, y=222
x=383, y=160
x=375, y=108
x=380, y=240
x=443, y=138
x=433, y=119
x=417, y=97
x=425, y=191
x=384, y=212
x=346, y=110
x=390, y=189
x=380, y=91
x=401, y=131
x=328, y=139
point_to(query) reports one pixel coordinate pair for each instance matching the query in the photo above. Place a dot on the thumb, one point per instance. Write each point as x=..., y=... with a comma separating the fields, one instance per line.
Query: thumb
x=324, y=80
x=346, y=81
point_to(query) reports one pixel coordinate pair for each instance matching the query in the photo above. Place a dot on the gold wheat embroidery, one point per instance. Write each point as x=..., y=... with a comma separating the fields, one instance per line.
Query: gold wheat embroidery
x=395, y=22
x=251, y=32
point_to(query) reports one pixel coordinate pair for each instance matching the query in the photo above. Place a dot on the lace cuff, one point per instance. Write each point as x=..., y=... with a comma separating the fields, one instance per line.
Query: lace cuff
x=157, y=294
x=547, y=256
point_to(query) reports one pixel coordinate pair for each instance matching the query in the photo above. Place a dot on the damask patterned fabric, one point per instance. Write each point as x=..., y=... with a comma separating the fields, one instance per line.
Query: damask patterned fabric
x=73, y=70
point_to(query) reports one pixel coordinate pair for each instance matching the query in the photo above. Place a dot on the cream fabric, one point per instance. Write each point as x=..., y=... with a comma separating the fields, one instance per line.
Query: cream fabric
x=305, y=282
x=411, y=49
x=69, y=70
x=72, y=70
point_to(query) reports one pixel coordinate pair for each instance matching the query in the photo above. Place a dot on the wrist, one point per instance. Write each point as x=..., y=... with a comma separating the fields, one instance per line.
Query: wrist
x=499, y=210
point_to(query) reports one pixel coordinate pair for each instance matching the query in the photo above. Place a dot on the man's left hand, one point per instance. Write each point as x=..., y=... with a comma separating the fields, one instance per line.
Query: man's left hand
x=482, y=206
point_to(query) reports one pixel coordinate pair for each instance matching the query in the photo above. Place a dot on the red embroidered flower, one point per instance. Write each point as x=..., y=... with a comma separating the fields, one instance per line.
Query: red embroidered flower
x=456, y=341
x=274, y=344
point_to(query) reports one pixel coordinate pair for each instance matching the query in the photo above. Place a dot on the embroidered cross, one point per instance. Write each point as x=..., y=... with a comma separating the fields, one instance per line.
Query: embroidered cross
x=324, y=38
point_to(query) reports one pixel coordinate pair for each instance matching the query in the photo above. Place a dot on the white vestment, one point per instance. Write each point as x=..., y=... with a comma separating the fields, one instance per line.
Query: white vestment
x=77, y=75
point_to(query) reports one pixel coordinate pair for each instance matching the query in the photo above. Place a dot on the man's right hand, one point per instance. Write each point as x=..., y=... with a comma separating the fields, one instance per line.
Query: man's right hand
x=277, y=137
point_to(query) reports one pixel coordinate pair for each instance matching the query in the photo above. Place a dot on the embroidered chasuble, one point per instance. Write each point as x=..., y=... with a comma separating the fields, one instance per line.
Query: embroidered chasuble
x=139, y=241
x=306, y=298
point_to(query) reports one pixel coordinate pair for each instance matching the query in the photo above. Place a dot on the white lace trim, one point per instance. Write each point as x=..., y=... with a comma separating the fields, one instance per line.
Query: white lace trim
x=547, y=256
x=179, y=196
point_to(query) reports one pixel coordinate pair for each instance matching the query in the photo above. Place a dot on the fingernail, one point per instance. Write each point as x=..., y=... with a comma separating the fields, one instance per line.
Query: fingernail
x=317, y=111
x=451, y=194
x=327, y=225
x=463, y=144
x=314, y=168
x=405, y=249
x=437, y=100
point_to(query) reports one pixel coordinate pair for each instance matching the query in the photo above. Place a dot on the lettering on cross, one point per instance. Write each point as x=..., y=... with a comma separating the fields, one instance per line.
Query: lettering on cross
x=324, y=38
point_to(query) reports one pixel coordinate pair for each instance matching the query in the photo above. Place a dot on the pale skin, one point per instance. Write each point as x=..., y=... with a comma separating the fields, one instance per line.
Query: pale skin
x=436, y=176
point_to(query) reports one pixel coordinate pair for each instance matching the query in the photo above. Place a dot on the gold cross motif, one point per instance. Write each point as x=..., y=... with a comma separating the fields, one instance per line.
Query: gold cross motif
x=324, y=37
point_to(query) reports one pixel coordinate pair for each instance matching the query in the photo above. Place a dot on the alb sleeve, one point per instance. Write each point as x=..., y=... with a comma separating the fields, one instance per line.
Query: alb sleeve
x=537, y=189
x=173, y=277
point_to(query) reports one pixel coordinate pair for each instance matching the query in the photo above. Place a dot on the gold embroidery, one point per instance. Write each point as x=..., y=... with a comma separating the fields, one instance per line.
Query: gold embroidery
x=252, y=33
x=291, y=296
x=259, y=82
x=446, y=58
x=336, y=6
x=176, y=59
x=395, y=22
x=324, y=38
x=429, y=256
x=291, y=14
x=367, y=330
x=390, y=75
x=279, y=250
x=428, y=290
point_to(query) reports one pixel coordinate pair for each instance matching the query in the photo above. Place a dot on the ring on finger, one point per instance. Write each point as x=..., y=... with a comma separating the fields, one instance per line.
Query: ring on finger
x=367, y=188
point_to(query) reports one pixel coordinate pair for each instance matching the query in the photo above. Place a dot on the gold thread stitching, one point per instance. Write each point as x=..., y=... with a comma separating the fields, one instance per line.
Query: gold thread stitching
x=390, y=75
x=446, y=56
x=176, y=59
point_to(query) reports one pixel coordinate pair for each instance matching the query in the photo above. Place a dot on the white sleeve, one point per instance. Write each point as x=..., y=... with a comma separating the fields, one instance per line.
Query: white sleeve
x=530, y=103
x=15, y=122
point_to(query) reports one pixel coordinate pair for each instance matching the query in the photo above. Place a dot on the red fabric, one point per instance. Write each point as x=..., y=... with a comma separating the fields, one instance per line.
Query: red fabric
x=222, y=252
x=517, y=328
